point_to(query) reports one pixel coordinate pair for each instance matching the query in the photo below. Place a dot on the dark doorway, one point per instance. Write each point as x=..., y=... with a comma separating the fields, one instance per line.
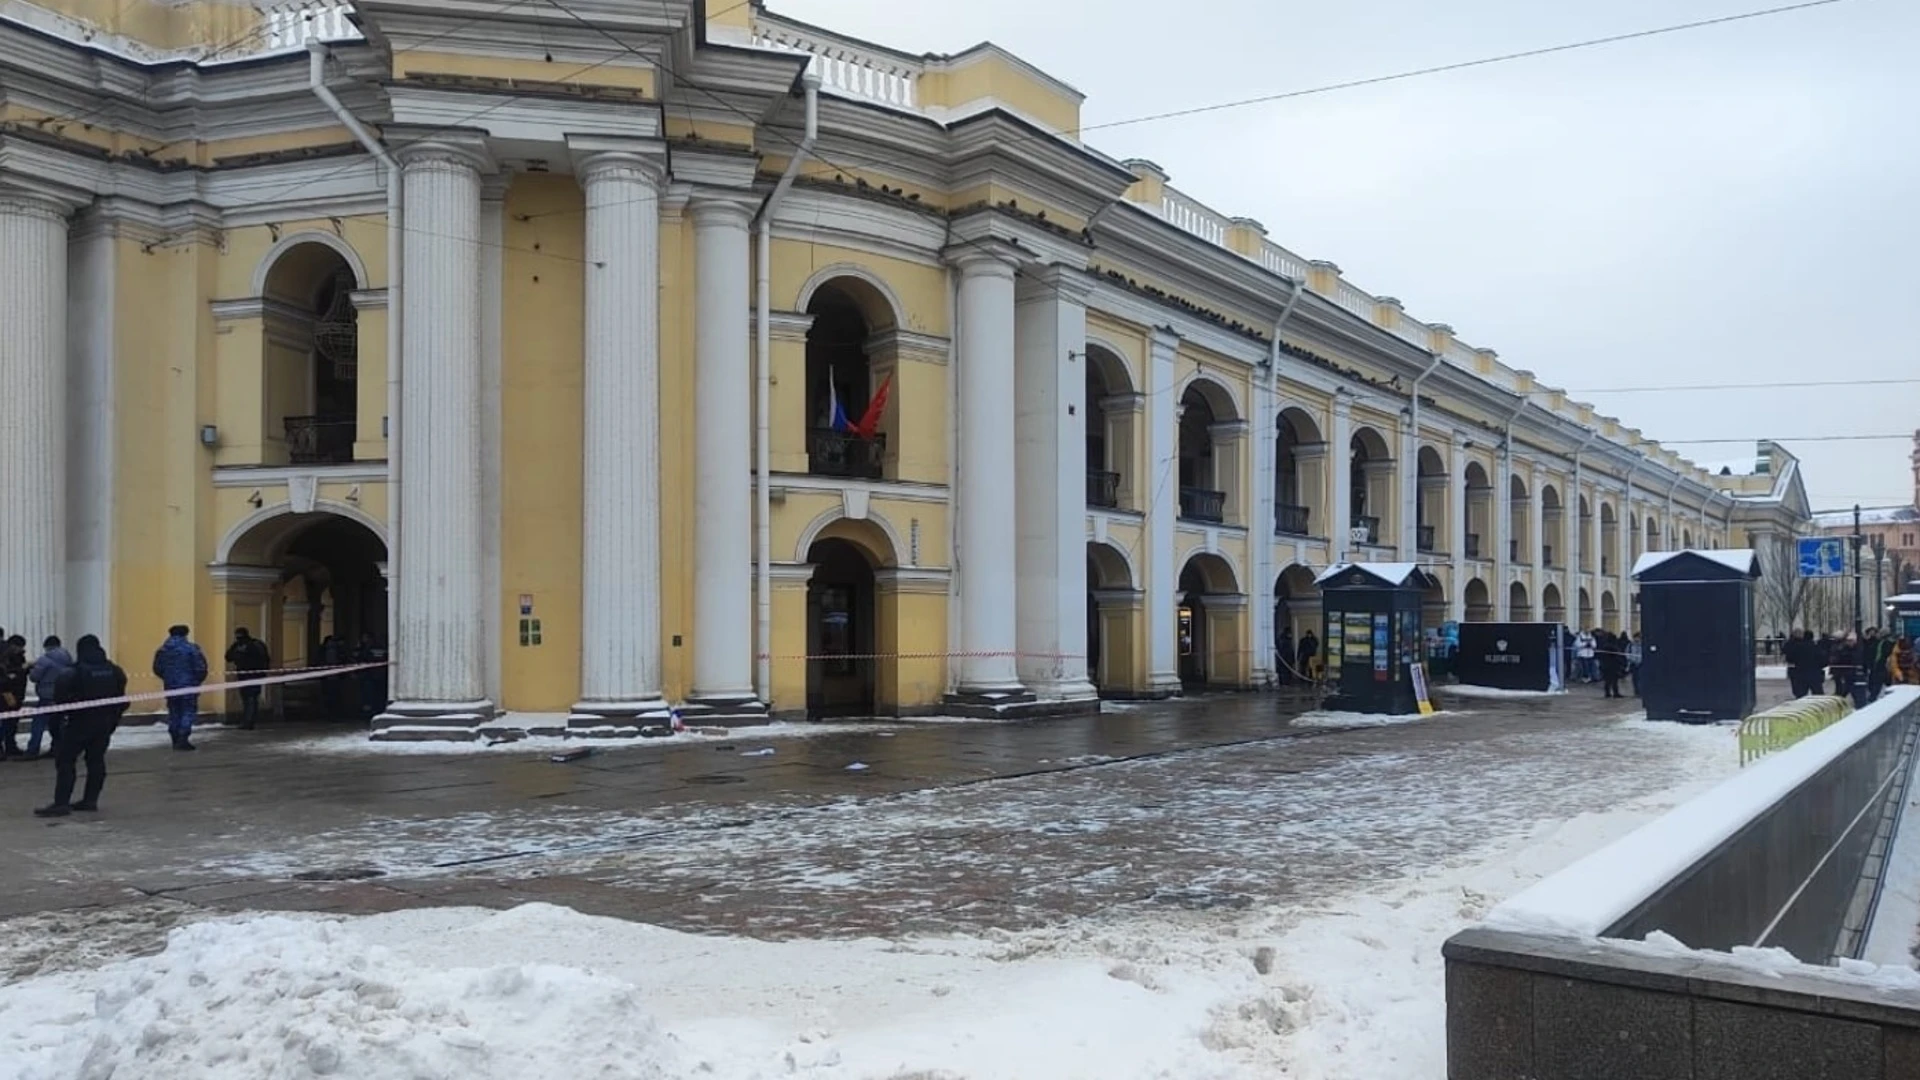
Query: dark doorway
x=840, y=631
x=1191, y=635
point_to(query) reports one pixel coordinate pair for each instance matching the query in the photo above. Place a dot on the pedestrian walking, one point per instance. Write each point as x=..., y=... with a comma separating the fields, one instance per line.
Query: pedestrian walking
x=1613, y=662
x=249, y=657
x=1802, y=663
x=1631, y=652
x=1283, y=653
x=1877, y=661
x=181, y=666
x=333, y=653
x=13, y=693
x=1583, y=654
x=88, y=728
x=44, y=674
x=1308, y=652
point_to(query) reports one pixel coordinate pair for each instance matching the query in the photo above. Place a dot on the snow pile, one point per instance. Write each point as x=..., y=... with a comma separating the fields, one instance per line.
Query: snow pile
x=1777, y=963
x=393, y=998
x=274, y=996
x=1468, y=690
x=1325, y=718
x=357, y=742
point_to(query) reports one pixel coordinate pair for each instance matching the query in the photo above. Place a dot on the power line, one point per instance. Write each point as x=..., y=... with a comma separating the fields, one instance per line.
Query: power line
x=1461, y=65
x=1743, y=386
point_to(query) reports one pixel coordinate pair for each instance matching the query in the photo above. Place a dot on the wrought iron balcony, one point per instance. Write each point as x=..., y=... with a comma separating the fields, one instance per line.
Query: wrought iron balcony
x=1473, y=545
x=1103, y=488
x=319, y=440
x=841, y=453
x=1366, y=530
x=1199, y=504
x=1291, y=520
x=1425, y=537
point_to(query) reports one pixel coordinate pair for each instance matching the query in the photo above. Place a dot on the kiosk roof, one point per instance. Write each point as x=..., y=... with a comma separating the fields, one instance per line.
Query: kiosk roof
x=1742, y=560
x=1390, y=573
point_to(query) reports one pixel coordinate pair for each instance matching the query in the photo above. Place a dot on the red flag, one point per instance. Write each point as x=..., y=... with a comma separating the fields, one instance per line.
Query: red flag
x=869, y=424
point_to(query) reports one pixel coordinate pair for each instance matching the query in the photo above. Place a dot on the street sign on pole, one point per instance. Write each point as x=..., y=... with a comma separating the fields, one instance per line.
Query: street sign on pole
x=1822, y=556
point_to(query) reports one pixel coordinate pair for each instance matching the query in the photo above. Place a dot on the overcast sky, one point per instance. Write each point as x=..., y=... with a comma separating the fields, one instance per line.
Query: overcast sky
x=1733, y=204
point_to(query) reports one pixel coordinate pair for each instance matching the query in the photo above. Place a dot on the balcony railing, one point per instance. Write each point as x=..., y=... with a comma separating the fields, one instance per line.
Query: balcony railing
x=1425, y=537
x=319, y=440
x=840, y=453
x=1103, y=488
x=1473, y=545
x=847, y=67
x=1199, y=504
x=1291, y=520
x=1366, y=530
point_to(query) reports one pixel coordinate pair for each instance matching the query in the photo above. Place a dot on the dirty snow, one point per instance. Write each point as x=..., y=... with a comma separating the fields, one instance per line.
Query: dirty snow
x=357, y=742
x=1468, y=690
x=1327, y=718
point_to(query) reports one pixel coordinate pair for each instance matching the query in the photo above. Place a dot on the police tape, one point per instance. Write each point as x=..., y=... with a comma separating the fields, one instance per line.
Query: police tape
x=300, y=675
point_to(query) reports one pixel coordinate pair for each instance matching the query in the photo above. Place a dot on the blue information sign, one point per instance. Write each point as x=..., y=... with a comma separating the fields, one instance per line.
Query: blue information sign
x=1823, y=556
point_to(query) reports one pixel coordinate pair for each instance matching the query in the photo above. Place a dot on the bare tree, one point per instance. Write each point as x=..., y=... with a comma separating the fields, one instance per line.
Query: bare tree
x=1784, y=594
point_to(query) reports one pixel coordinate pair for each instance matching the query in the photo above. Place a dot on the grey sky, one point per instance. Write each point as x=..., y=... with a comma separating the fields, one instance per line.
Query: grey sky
x=1722, y=205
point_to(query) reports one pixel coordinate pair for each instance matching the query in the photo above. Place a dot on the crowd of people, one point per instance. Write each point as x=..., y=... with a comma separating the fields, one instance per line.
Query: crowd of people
x=1601, y=656
x=1860, y=665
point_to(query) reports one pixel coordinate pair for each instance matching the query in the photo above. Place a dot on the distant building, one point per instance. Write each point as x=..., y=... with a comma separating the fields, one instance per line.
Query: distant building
x=1897, y=531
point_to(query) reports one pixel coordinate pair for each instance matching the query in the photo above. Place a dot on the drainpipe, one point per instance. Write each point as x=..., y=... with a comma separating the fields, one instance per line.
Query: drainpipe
x=1626, y=564
x=1264, y=615
x=763, y=393
x=1672, y=533
x=396, y=228
x=1410, y=500
x=1503, y=504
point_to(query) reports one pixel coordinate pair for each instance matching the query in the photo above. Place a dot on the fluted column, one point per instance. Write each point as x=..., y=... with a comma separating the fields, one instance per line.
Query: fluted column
x=620, y=549
x=439, y=612
x=988, y=476
x=1340, y=461
x=723, y=467
x=33, y=422
x=1160, y=490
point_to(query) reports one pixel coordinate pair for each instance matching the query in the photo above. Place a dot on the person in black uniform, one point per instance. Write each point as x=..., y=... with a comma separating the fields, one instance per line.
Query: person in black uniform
x=86, y=732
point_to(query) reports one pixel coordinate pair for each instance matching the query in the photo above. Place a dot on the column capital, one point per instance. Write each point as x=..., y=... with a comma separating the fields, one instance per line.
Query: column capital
x=985, y=258
x=789, y=326
x=235, y=579
x=721, y=210
x=1342, y=404
x=1054, y=281
x=18, y=201
x=1228, y=430
x=1164, y=339
x=602, y=166
x=440, y=151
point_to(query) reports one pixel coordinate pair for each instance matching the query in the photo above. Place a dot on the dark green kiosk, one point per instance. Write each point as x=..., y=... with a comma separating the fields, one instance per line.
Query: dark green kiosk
x=1372, y=635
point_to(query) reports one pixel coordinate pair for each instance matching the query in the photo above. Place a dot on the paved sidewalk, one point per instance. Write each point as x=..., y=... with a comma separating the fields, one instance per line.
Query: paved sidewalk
x=1195, y=803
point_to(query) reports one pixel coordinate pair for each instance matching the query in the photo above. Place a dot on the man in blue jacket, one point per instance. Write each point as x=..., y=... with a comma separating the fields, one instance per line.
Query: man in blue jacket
x=180, y=665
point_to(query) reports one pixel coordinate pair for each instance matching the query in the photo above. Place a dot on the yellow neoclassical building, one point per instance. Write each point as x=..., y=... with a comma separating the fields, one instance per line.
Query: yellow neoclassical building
x=606, y=356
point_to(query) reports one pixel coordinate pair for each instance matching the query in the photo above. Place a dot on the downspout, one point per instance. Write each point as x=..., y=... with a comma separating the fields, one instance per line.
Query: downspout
x=763, y=394
x=1270, y=460
x=1673, y=534
x=1410, y=502
x=396, y=228
x=1638, y=537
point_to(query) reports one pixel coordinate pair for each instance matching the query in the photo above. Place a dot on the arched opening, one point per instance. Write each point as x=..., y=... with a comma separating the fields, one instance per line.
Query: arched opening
x=1209, y=465
x=849, y=422
x=1586, y=610
x=1372, y=480
x=1552, y=608
x=1518, y=607
x=1296, y=622
x=1686, y=539
x=312, y=356
x=1609, y=536
x=1636, y=536
x=1112, y=601
x=1479, y=512
x=1299, y=485
x=1520, y=512
x=1609, y=611
x=1653, y=536
x=842, y=675
x=1479, y=601
x=1433, y=606
x=1112, y=406
x=1553, y=526
x=1207, y=634
x=1433, y=504
x=313, y=588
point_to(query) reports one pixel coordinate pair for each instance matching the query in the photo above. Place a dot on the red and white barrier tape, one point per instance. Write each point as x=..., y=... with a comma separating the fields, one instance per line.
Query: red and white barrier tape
x=195, y=691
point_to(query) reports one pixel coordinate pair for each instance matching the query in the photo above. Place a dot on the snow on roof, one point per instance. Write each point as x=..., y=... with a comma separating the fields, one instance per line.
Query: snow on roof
x=1741, y=559
x=1870, y=515
x=1393, y=573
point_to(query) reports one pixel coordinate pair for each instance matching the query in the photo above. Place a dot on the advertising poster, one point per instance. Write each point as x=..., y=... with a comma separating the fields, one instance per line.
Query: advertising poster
x=1420, y=696
x=1336, y=630
x=1384, y=661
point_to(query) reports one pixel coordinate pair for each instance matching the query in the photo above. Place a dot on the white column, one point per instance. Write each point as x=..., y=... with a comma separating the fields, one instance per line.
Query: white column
x=1595, y=549
x=723, y=460
x=1503, y=541
x=1537, y=531
x=1161, y=488
x=1340, y=466
x=620, y=549
x=33, y=423
x=439, y=648
x=1260, y=524
x=90, y=428
x=493, y=195
x=988, y=474
x=1408, y=540
x=1050, y=431
x=1457, y=526
x=1623, y=539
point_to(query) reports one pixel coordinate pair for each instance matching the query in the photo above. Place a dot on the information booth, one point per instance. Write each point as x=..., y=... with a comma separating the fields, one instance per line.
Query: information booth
x=1903, y=612
x=1511, y=656
x=1696, y=634
x=1371, y=636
